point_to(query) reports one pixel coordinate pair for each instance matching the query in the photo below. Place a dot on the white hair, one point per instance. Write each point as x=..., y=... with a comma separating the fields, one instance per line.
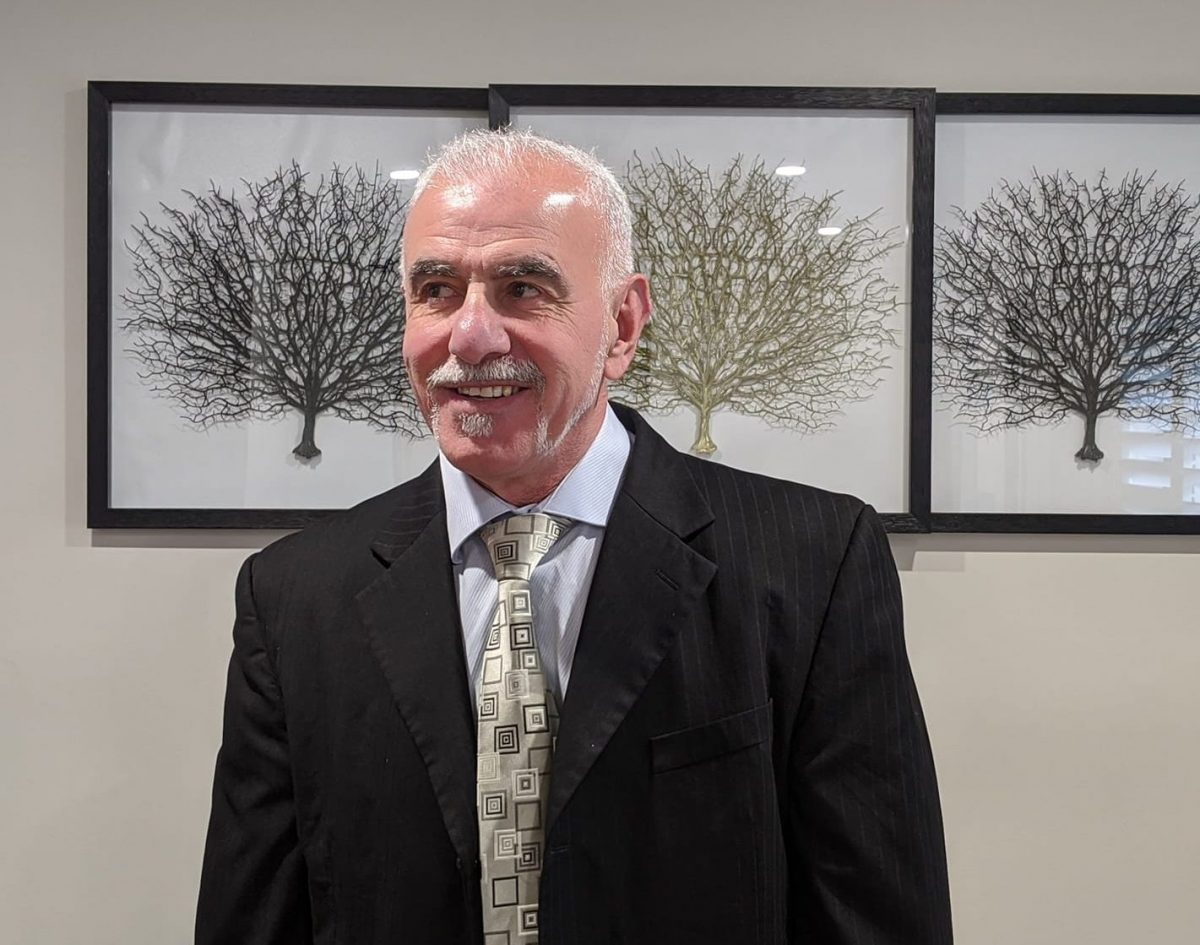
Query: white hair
x=487, y=153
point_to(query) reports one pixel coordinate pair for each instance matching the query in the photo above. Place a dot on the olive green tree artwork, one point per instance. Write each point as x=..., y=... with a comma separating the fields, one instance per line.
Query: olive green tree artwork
x=762, y=306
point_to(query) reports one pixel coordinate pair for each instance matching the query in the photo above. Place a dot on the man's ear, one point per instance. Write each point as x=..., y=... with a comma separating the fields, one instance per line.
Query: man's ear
x=631, y=317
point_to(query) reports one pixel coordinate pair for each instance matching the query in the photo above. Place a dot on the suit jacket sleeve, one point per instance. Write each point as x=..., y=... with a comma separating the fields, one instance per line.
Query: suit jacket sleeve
x=867, y=862
x=253, y=886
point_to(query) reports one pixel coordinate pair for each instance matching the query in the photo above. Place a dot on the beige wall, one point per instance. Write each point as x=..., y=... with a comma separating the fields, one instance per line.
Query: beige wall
x=1059, y=675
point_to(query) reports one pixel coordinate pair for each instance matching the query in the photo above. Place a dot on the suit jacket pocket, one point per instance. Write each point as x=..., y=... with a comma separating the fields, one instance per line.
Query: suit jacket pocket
x=711, y=739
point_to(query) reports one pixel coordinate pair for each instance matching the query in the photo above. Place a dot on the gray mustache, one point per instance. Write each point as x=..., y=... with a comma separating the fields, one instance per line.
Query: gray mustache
x=454, y=373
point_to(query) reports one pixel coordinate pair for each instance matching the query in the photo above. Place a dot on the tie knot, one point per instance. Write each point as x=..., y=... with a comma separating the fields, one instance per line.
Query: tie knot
x=518, y=542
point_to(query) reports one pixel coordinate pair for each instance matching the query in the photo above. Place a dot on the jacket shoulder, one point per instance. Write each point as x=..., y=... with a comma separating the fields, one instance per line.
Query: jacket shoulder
x=739, y=499
x=760, y=500
x=335, y=552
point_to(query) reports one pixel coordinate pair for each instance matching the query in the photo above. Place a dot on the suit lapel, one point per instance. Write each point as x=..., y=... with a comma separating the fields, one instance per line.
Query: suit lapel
x=411, y=618
x=646, y=581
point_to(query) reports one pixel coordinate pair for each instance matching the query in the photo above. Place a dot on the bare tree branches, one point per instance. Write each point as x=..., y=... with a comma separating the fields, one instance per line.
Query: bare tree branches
x=755, y=311
x=1061, y=296
x=287, y=296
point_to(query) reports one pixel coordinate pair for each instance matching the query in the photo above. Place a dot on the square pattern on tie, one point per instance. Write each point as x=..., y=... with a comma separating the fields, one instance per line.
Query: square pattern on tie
x=530, y=857
x=504, y=891
x=508, y=741
x=529, y=815
x=536, y=719
x=508, y=844
x=518, y=604
x=516, y=684
x=517, y=724
x=525, y=783
x=494, y=806
x=522, y=635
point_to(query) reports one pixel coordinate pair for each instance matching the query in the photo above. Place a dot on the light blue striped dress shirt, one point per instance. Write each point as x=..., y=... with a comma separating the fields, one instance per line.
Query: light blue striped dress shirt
x=561, y=581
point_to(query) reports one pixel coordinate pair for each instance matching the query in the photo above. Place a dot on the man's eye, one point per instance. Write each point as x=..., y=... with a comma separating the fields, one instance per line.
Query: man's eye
x=433, y=290
x=524, y=290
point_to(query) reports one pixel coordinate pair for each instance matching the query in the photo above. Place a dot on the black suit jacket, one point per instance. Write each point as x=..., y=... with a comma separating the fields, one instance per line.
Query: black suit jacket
x=742, y=756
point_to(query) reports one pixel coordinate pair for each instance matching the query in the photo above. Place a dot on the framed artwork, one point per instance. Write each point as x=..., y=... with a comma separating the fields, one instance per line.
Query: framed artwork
x=245, y=311
x=787, y=235
x=1066, y=321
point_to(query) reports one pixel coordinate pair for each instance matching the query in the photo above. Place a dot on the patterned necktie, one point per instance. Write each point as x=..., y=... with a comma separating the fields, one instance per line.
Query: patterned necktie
x=518, y=726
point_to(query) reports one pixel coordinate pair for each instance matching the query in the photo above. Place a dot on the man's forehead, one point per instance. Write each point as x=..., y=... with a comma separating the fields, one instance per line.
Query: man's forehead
x=512, y=217
x=484, y=247
x=530, y=191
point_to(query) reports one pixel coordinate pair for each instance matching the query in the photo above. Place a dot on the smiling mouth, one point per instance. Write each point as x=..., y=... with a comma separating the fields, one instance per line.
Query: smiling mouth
x=488, y=393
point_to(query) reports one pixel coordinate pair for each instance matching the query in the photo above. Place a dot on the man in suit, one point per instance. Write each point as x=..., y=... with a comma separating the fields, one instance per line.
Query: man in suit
x=568, y=685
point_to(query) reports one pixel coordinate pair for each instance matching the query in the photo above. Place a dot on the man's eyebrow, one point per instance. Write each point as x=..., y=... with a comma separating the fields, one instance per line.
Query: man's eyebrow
x=431, y=267
x=534, y=266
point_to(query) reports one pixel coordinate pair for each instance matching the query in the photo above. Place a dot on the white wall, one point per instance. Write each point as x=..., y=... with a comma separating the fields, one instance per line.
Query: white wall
x=1059, y=675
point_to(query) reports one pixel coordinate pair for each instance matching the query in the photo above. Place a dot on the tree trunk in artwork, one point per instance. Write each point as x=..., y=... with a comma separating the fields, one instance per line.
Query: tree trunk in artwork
x=1089, y=452
x=307, y=448
x=704, y=444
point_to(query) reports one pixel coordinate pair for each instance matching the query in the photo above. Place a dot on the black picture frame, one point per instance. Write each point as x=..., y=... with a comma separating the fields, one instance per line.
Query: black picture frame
x=917, y=102
x=951, y=105
x=102, y=97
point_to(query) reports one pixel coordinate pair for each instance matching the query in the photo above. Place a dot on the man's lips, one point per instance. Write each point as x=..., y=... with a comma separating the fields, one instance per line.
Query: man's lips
x=478, y=393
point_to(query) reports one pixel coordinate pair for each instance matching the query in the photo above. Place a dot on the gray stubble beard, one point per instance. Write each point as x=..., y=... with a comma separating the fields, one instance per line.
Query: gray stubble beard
x=543, y=446
x=475, y=425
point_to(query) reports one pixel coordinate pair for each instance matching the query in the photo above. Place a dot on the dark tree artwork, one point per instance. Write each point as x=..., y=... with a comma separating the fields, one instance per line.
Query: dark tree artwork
x=285, y=296
x=1064, y=296
x=755, y=311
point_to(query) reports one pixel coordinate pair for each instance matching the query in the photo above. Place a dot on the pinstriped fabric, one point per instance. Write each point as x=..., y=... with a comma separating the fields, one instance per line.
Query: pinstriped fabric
x=862, y=840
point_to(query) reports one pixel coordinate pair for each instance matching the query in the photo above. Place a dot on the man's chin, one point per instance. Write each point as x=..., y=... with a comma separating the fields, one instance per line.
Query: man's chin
x=476, y=448
x=450, y=427
x=475, y=426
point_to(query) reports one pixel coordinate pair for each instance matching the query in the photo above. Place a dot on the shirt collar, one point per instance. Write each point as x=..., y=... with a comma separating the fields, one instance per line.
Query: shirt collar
x=586, y=493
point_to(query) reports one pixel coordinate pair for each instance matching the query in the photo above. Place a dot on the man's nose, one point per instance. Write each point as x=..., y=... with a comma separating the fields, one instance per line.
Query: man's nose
x=478, y=332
